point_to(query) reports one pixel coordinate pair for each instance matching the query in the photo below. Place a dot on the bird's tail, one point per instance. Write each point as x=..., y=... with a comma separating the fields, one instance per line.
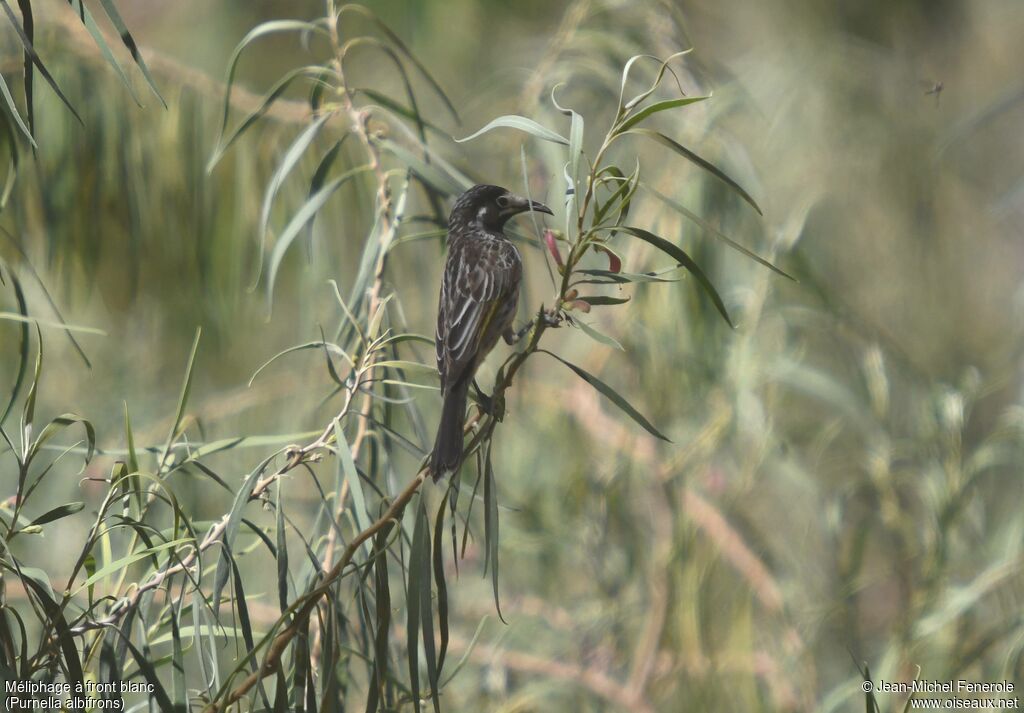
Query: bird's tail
x=447, y=455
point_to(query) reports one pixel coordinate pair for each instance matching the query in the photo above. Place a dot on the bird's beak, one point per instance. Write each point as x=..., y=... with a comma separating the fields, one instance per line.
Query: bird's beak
x=519, y=205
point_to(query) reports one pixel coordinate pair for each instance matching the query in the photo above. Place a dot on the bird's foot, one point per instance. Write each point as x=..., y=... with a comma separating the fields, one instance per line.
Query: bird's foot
x=552, y=318
x=493, y=406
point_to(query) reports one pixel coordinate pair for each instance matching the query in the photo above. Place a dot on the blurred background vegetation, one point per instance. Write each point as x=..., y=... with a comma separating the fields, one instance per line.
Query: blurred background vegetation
x=844, y=481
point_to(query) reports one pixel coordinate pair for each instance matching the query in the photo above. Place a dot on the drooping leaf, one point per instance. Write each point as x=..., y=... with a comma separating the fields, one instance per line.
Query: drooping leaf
x=275, y=92
x=631, y=121
x=675, y=205
x=267, y=28
x=413, y=601
x=625, y=105
x=597, y=335
x=28, y=24
x=288, y=161
x=282, y=551
x=597, y=300
x=30, y=54
x=23, y=347
x=612, y=395
x=128, y=560
x=186, y=389
x=521, y=123
x=491, y=527
x=442, y=589
x=426, y=606
x=301, y=217
x=58, y=513
x=316, y=183
x=129, y=42
x=686, y=261
x=691, y=156
x=397, y=42
x=101, y=43
x=12, y=107
x=348, y=473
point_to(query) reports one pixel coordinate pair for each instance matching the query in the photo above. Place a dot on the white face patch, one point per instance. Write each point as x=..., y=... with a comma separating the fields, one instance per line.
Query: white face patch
x=480, y=214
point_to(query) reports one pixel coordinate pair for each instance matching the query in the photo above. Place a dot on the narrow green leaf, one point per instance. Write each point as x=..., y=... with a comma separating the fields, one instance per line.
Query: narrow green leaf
x=12, y=106
x=442, y=588
x=177, y=663
x=717, y=233
x=267, y=28
x=291, y=157
x=426, y=606
x=410, y=366
x=282, y=552
x=28, y=413
x=129, y=42
x=597, y=335
x=230, y=531
x=13, y=159
x=348, y=473
x=397, y=42
x=333, y=348
x=157, y=690
x=625, y=277
x=23, y=347
x=598, y=300
x=55, y=618
x=656, y=83
x=58, y=512
x=467, y=653
x=58, y=424
x=575, y=152
x=30, y=51
x=244, y=620
x=101, y=43
x=691, y=156
x=433, y=173
x=266, y=102
x=398, y=109
x=28, y=24
x=413, y=601
x=186, y=388
x=491, y=527
x=316, y=183
x=119, y=564
x=301, y=217
x=686, y=261
x=521, y=123
x=612, y=395
x=14, y=317
x=631, y=121
x=382, y=587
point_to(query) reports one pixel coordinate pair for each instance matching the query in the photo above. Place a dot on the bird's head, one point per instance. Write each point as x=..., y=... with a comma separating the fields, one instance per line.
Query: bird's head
x=490, y=207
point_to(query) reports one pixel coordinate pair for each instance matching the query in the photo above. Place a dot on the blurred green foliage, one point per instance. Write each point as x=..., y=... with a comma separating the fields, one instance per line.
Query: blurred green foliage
x=843, y=484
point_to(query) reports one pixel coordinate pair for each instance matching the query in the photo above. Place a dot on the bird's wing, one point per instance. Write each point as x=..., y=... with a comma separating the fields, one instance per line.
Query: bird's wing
x=479, y=276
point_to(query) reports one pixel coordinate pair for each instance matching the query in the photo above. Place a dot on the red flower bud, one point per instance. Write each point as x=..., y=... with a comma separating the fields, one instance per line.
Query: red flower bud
x=549, y=240
x=614, y=261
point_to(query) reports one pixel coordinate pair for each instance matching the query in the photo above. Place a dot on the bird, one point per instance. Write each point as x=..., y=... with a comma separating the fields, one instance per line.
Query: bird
x=477, y=304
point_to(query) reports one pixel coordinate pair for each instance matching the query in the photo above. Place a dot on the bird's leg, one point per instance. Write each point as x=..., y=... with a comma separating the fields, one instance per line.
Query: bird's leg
x=552, y=319
x=512, y=336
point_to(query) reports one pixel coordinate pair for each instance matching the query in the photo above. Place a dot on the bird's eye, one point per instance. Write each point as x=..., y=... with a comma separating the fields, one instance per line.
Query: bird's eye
x=502, y=201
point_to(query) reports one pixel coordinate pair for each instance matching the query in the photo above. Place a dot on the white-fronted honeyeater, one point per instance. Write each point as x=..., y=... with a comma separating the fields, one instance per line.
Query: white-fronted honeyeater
x=479, y=292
